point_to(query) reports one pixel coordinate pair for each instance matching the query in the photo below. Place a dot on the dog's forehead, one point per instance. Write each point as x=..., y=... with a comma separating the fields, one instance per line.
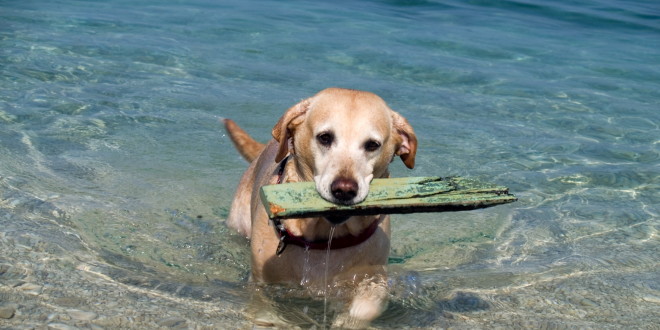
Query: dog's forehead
x=344, y=99
x=349, y=110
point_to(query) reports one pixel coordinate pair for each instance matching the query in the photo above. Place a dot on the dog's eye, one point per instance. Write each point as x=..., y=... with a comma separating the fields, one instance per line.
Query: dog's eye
x=371, y=145
x=325, y=139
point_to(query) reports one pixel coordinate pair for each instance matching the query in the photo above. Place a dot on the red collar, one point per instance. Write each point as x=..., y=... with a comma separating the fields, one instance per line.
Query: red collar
x=287, y=238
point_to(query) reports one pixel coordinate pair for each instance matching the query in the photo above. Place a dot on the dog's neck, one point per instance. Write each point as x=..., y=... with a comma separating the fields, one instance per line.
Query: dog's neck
x=287, y=238
x=309, y=233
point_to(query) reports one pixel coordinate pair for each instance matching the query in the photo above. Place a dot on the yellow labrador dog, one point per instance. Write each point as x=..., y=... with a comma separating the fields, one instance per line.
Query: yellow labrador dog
x=341, y=139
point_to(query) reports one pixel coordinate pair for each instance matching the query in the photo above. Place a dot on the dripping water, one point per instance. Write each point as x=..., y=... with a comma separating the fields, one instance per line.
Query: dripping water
x=306, y=268
x=325, y=277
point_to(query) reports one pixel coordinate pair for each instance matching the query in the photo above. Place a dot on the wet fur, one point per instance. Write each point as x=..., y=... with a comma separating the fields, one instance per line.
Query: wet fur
x=353, y=117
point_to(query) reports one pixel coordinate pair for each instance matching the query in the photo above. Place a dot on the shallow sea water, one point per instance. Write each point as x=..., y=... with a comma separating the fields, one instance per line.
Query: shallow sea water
x=116, y=176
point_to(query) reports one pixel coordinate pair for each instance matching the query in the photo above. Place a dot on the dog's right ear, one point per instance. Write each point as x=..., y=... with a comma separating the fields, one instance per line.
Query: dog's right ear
x=284, y=128
x=407, y=146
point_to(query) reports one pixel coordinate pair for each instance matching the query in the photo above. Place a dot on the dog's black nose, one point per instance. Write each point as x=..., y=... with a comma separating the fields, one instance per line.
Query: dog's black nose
x=344, y=189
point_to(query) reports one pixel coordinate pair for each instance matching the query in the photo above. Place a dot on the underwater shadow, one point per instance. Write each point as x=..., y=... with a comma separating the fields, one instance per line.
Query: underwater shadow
x=134, y=273
x=464, y=302
x=423, y=312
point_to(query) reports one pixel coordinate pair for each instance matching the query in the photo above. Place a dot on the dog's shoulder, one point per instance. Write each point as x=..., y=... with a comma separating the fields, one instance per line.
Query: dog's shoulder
x=259, y=173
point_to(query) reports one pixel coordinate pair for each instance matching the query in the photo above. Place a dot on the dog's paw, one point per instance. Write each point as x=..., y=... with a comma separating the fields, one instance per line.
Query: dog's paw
x=346, y=321
x=360, y=313
x=366, y=308
x=264, y=319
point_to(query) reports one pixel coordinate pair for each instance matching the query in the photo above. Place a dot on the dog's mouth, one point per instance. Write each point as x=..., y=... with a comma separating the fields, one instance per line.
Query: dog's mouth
x=337, y=220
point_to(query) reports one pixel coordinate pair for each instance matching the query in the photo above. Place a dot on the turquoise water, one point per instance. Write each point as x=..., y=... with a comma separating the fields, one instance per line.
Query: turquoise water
x=116, y=176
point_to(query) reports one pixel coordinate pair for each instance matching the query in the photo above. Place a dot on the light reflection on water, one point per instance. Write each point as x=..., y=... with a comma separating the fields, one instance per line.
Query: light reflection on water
x=115, y=175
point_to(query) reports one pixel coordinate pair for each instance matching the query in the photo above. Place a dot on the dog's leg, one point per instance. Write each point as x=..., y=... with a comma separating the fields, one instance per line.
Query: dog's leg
x=369, y=301
x=262, y=311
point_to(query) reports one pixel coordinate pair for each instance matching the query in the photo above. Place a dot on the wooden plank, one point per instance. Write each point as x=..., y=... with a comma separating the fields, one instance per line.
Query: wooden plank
x=386, y=196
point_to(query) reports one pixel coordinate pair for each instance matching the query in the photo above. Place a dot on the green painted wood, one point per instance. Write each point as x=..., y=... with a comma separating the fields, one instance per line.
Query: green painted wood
x=386, y=196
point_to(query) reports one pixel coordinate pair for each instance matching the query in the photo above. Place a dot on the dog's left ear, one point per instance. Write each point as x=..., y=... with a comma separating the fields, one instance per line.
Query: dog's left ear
x=286, y=125
x=407, y=147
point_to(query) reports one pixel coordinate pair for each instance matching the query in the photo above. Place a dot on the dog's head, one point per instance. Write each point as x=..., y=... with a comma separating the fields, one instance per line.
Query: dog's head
x=342, y=139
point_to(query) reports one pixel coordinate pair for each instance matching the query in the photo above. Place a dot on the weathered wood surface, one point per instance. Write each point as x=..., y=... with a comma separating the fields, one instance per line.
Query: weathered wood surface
x=386, y=196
